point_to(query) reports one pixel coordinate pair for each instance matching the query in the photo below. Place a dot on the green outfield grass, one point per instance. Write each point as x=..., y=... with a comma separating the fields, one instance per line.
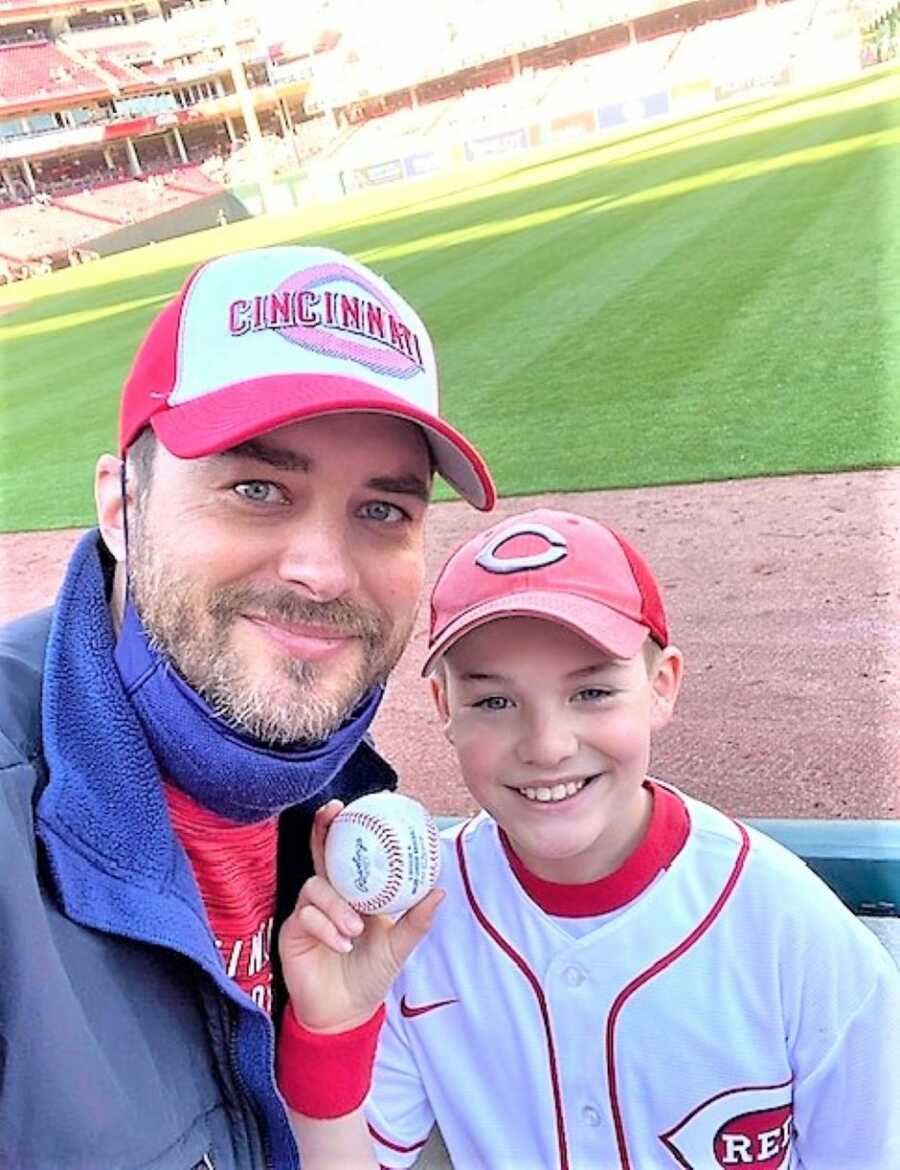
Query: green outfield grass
x=710, y=299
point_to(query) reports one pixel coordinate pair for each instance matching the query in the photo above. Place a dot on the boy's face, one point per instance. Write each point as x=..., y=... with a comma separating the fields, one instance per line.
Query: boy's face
x=535, y=712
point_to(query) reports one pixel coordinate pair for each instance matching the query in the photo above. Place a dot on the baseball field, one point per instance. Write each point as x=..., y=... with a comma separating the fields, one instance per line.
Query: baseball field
x=712, y=303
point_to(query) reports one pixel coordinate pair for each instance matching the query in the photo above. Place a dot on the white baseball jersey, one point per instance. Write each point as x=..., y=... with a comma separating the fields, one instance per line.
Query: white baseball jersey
x=735, y=1014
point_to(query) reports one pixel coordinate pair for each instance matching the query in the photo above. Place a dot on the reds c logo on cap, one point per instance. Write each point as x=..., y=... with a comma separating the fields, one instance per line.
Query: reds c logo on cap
x=332, y=310
x=555, y=551
x=742, y=1127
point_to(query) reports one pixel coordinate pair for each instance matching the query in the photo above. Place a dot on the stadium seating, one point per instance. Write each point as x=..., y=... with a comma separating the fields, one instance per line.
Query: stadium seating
x=872, y=11
x=38, y=71
x=137, y=199
x=743, y=46
x=475, y=72
x=31, y=230
x=69, y=220
x=115, y=62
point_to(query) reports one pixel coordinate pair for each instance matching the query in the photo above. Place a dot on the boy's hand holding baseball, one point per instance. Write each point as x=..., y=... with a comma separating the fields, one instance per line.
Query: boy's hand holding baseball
x=338, y=964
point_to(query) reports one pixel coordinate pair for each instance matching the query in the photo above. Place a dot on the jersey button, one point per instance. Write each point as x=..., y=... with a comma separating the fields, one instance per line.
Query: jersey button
x=574, y=976
x=590, y=1116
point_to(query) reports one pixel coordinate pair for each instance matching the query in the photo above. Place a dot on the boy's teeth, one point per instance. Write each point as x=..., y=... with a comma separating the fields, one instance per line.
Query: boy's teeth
x=557, y=792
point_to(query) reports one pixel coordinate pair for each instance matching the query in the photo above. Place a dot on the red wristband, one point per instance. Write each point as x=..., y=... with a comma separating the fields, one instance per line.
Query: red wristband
x=326, y=1074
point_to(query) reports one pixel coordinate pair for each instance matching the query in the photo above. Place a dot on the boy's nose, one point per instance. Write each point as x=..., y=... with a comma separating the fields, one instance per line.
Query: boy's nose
x=547, y=741
x=319, y=559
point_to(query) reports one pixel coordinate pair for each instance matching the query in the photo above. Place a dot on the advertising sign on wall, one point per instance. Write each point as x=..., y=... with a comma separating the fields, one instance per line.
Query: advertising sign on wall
x=637, y=109
x=425, y=163
x=495, y=145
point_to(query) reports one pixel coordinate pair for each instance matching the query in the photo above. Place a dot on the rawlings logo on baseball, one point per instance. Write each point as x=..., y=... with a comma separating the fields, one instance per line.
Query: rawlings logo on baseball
x=382, y=853
x=361, y=865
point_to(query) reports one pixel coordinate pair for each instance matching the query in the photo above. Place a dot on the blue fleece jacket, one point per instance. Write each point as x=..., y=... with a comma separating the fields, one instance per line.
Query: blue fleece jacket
x=116, y=864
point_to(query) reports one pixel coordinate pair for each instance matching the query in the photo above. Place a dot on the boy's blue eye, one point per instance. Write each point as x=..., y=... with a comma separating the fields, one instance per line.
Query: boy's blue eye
x=592, y=694
x=493, y=703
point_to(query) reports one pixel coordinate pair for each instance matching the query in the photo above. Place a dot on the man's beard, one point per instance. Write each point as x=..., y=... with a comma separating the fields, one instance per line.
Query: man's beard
x=191, y=630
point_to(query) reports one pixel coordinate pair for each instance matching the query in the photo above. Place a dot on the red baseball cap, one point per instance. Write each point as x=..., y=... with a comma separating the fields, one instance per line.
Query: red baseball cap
x=565, y=568
x=266, y=337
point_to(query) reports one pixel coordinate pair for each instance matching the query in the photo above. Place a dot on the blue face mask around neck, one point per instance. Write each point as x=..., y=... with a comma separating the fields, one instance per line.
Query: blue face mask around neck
x=214, y=763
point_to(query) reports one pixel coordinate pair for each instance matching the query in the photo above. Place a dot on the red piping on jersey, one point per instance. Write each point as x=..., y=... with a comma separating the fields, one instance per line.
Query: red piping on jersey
x=652, y=972
x=664, y=1137
x=539, y=995
x=393, y=1145
x=672, y=1150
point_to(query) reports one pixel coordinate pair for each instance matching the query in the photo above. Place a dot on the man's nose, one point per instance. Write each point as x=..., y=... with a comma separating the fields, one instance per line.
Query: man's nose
x=319, y=558
x=547, y=740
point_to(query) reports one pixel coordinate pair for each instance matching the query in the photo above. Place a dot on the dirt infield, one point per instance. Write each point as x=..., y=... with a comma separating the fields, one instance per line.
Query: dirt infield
x=782, y=592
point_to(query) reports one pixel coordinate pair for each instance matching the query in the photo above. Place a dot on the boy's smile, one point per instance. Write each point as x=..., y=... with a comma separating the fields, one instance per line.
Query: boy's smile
x=553, y=739
x=555, y=791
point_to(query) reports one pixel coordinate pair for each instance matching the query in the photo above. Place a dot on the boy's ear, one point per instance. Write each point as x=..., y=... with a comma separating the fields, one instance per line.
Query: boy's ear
x=108, y=498
x=439, y=695
x=665, y=681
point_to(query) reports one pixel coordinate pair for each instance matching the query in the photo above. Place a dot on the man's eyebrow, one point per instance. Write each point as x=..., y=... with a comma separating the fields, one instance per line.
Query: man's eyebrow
x=401, y=485
x=287, y=460
x=269, y=453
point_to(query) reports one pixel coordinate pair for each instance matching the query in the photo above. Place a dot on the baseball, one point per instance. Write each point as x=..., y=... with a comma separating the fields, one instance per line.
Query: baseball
x=382, y=853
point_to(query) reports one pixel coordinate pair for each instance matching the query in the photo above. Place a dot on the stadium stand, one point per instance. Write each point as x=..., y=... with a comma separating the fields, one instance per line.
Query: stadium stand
x=880, y=21
x=40, y=74
x=118, y=111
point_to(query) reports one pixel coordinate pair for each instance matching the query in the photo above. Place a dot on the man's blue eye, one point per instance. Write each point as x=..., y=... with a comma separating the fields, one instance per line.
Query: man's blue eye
x=383, y=511
x=258, y=491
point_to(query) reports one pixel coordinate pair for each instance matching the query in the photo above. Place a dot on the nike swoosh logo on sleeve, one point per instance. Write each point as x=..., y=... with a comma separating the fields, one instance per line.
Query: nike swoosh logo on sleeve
x=420, y=1009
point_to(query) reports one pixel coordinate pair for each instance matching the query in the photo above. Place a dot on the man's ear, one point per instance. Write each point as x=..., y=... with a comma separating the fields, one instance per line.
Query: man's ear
x=665, y=681
x=108, y=498
x=439, y=694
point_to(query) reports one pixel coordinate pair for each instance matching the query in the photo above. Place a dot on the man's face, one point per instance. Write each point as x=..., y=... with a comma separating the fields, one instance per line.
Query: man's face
x=282, y=577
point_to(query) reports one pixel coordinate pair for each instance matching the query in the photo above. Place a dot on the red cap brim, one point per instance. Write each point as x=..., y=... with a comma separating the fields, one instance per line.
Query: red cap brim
x=233, y=414
x=609, y=630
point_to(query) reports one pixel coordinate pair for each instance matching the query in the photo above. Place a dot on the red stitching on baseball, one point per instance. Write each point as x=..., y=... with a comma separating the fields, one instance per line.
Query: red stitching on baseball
x=388, y=839
x=434, y=849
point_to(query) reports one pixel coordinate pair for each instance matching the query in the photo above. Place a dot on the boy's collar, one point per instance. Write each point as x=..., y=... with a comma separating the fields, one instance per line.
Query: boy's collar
x=663, y=841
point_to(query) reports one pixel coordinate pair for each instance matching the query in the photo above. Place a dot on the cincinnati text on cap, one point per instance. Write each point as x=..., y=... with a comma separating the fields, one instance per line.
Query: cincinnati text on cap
x=334, y=310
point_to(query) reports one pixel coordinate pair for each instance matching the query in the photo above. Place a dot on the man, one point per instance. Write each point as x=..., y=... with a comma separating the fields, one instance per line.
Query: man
x=208, y=675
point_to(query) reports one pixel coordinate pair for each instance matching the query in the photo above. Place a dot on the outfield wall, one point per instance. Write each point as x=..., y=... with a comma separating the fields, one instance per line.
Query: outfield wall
x=673, y=102
x=240, y=202
x=182, y=221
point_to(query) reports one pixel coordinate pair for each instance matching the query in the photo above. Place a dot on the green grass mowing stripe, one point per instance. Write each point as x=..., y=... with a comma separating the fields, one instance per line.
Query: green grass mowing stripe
x=545, y=286
x=649, y=373
x=783, y=268
x=803, y=395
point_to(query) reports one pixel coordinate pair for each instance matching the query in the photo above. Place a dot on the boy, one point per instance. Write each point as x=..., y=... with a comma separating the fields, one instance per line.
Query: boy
x=622, y=977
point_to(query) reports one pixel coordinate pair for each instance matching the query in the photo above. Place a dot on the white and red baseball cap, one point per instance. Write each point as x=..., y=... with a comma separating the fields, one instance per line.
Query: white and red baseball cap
x=566, y=568
x=262, y=338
